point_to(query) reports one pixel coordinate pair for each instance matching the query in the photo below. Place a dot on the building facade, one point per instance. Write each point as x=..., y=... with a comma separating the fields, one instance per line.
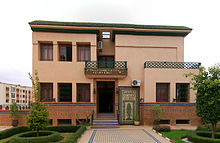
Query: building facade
x=123, y=69
x=10, y=93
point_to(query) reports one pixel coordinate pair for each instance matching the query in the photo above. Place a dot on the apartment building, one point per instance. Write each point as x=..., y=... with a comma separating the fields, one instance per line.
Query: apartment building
x=123, y=69
x=10, y=93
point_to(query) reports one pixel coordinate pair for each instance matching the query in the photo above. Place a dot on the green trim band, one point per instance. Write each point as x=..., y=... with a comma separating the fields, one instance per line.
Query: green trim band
x=180, y=34
x=65, y=30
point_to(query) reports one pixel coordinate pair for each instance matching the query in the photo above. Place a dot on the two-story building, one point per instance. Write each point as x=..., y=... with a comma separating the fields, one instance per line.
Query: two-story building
x=121, y=69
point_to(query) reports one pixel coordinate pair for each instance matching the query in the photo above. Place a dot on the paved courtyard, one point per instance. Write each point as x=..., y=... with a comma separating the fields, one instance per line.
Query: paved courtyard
x=122, y=135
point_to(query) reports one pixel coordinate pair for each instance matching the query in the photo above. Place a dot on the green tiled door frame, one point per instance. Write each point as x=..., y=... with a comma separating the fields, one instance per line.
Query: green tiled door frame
x=128, y=95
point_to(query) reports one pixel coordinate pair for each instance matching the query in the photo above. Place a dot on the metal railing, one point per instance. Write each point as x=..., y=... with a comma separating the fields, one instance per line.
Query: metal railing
x=172, y=65
x=106, y=64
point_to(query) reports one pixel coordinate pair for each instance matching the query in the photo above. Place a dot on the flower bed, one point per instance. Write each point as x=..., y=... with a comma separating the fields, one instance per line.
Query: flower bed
x=161, y=128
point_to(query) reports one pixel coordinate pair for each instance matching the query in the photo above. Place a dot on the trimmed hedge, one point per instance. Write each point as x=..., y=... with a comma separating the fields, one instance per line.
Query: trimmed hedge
x=207, y=129
x=63, y=129
x=29, y=137
x=12, y=131
x=202, y=137
x=75, y=136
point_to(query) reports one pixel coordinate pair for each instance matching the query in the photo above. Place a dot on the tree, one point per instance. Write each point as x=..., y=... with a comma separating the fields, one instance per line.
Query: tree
x=157, y=112
x=38, y=117
x=14, y=114
x=207, y=84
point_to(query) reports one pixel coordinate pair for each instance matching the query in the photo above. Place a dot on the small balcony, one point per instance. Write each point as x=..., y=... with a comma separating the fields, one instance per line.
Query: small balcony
x=106, y=69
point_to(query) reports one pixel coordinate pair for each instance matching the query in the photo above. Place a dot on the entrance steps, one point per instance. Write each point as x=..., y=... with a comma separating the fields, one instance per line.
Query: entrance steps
x=105, y=121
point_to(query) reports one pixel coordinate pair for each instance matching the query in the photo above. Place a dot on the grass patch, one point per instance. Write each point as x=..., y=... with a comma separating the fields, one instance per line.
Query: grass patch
x=176, y=135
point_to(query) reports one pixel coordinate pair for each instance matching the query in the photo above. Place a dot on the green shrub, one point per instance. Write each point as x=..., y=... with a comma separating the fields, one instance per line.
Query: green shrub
x=63, y=129
x=74, y=137
x=13, y=131
x=30, y=137
x=161, y=128
x=207, y=128
x=202, y=137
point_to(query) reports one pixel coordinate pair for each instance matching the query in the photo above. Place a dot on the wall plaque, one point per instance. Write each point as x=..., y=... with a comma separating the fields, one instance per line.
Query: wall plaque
x=128, y=104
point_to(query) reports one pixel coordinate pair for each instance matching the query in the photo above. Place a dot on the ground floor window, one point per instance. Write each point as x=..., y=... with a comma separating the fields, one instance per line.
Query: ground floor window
x=46, y=92
x=64, y=122
x=83, y=92
x=65, y=92
x=162, y=92
x=182, y=121
x=182, y=91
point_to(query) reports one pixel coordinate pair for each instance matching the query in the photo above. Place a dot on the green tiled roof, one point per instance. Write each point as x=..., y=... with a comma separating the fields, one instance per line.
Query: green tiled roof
x=117, y=25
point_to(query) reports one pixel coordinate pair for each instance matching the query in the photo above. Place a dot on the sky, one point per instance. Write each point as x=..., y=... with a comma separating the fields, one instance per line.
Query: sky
x=201, y=45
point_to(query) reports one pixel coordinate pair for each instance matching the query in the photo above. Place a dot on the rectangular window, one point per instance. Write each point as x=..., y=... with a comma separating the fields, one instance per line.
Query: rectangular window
x=51, y=122
x=105, y=35
x=83, y=92
x=46, y=92
x=12, y=95
x=7, y=101
x=46, y=52
x=182, y=92
x=65, y=92
x=12, y=89
x=64, y=122
x=162, y=92
x=65, y=52
x=164, y=121
x=105, y=61
x=182, y=121
x=7, y=88
x=83, y=52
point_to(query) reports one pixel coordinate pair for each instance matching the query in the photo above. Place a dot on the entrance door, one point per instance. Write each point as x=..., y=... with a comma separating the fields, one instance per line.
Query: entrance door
x=105, y=92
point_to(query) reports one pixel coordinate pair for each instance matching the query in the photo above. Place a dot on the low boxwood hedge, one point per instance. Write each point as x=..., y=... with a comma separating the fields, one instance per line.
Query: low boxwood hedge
x=202, y=137
x=63, y=129
x=30, y=137
x=75, y=136
x=199, y=128
x=12, y=131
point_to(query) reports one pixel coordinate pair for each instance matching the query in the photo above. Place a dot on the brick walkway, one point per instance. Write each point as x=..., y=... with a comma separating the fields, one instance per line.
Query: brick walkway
x=126, y=134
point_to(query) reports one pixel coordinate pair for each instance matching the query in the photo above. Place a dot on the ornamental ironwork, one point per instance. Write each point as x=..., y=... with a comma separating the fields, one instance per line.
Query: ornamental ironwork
x=105, y=67
x=172, y=65
x=106, y=64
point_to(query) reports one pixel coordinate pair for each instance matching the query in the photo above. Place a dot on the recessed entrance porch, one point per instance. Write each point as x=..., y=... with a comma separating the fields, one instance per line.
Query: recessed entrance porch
x=105, y=96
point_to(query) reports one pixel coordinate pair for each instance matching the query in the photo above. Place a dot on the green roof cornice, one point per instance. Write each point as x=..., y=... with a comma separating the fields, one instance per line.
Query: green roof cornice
x=116, y=25
x=179, y=34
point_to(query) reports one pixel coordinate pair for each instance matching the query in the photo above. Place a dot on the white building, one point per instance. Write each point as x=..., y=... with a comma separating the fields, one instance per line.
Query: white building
x=10, y=93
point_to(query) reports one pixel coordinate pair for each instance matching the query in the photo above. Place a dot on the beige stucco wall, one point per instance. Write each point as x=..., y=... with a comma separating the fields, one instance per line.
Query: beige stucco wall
x=171, y=76
x=108, y=48
x=138, y=49
x=59, y=71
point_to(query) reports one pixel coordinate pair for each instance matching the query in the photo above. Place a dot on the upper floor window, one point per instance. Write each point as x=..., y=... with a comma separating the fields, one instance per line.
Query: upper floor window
x=105, y=35
x=83, y=52
x=162, y=92
x=182, y=91
x=12, y=95
x=65, y=52
x=12, y=89
x=7, y=88
x=46, y=52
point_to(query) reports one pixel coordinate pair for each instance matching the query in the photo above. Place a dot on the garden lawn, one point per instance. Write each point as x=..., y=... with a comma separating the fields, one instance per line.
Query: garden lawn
x=176, y=135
